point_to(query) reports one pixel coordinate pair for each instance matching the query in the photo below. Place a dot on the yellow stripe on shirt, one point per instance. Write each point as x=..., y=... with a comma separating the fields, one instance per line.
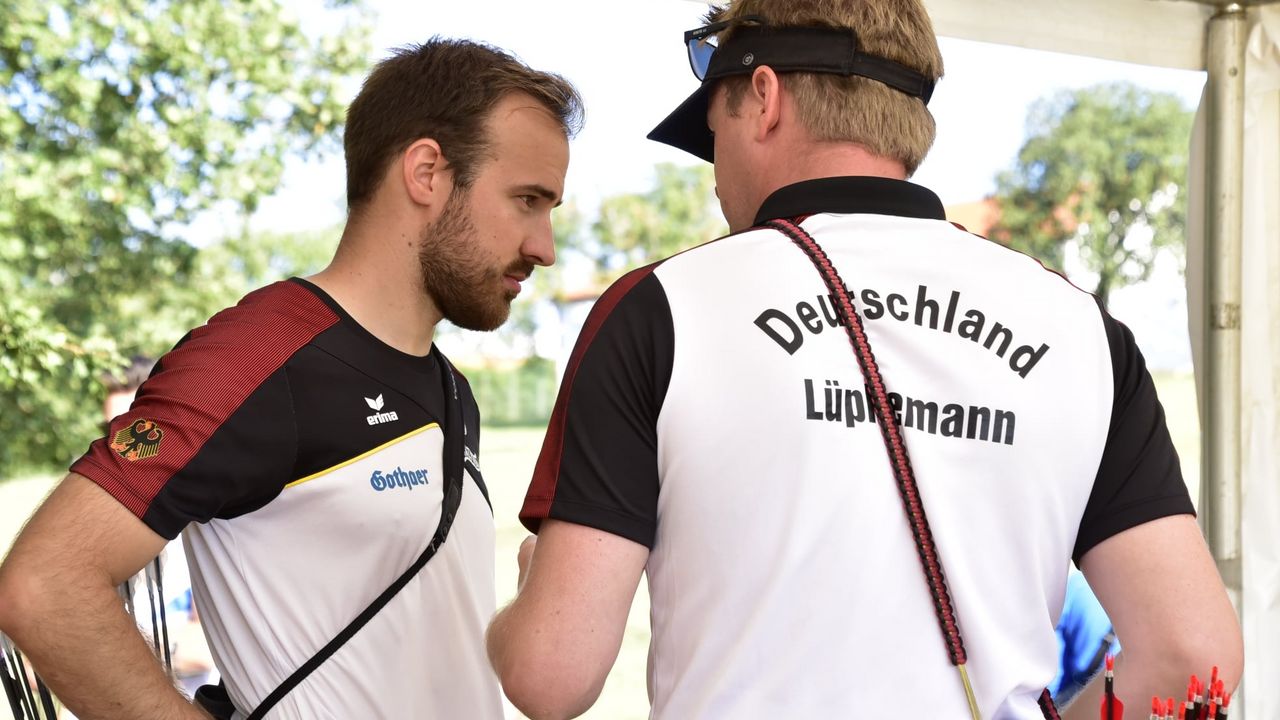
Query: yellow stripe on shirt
x=364, y=455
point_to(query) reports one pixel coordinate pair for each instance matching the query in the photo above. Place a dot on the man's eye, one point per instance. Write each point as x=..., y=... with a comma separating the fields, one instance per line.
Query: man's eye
x=529, y=200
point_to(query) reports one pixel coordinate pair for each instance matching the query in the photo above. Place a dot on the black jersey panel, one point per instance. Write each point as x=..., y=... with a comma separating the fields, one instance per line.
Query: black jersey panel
x=1139, y=478
x=604, y=471
x=244, y=464
x=345, y=408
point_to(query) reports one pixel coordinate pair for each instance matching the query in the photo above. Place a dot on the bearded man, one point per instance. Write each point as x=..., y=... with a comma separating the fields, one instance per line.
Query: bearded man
x=308, y=440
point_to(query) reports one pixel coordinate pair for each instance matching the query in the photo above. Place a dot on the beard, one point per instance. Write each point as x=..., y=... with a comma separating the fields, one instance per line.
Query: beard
x=465, y=282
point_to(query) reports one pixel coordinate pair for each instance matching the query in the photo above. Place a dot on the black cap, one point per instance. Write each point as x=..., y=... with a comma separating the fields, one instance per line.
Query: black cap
x=825, y=50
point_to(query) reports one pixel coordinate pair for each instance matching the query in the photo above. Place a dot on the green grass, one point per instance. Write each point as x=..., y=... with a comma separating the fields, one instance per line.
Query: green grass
x=508, y=456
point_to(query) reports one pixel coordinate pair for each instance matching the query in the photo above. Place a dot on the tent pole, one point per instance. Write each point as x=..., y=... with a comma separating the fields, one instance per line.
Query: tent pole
x=1220, y=486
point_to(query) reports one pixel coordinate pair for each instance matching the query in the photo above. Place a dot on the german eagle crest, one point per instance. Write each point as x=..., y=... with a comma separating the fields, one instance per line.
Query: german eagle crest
x=140, y=440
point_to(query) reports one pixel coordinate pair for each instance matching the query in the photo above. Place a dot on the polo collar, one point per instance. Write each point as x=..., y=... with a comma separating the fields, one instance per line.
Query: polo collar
x=849, y=195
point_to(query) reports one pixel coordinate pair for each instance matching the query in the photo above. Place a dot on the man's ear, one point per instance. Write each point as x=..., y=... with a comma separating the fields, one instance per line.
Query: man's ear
x=766, y=94
x=422, y=168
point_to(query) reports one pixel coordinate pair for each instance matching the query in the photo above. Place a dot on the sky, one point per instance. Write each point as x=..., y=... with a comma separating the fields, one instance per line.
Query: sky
x=628, y=61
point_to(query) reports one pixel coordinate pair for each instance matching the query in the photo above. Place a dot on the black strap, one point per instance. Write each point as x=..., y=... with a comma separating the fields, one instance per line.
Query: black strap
x=453, y=471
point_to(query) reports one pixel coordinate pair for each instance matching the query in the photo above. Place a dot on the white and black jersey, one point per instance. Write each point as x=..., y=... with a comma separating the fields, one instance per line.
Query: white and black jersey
x=301, y=459
x=714, y=412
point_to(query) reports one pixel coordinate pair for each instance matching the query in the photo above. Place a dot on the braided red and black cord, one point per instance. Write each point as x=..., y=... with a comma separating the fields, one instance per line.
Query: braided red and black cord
x=892, y=435
x=1047, y=707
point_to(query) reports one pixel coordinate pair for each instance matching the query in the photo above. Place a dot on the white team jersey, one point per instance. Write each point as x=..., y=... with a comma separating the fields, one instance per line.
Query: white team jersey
x=421, y=656
x=302, y=460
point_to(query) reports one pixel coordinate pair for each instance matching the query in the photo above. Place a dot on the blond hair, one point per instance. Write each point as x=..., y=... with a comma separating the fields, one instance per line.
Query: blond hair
x=855, y=109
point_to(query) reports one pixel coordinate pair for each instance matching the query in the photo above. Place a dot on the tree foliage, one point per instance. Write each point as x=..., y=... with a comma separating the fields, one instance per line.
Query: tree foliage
x=120, y=120
x=677, y=213
x=221, y=274
x=1103, y=169
x=50, y=382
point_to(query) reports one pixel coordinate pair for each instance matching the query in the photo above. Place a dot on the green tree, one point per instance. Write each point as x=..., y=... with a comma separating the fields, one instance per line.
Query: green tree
x=220, y=274
x=1103, y=169
x=677, y=213
x=120, y=120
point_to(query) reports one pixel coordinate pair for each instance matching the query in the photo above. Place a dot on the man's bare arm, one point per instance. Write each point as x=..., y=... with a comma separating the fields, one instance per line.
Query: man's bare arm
x=554, y=645
x=1158, y=584
x=58, y=602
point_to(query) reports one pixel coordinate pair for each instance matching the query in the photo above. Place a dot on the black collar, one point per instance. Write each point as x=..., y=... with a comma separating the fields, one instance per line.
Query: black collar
x=847, y=195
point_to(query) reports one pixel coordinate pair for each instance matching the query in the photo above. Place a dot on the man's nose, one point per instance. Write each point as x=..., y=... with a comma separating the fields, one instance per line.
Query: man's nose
x=540, y=248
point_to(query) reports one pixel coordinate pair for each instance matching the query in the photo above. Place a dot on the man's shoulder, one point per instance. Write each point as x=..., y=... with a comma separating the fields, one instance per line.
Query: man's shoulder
x=282, y=309
x=629, y=289
x=265, y=327
x=224, y=362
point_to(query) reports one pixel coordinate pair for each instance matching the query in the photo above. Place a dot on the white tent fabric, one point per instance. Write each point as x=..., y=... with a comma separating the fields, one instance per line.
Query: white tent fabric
x=1260, y=371
x=1148, y=32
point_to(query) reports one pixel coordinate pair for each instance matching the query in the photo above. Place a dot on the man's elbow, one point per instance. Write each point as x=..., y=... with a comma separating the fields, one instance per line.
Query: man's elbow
x=1181, y=654
x=545, y=689
x=18, y=599
x=542, y=696
x=1225, y=652
x=1220, y=644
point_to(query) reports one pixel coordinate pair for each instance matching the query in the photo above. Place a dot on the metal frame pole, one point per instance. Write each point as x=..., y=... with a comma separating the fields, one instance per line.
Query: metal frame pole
x=1220, y=487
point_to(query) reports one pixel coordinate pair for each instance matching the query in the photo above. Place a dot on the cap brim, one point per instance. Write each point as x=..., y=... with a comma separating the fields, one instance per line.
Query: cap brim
x=686, y=128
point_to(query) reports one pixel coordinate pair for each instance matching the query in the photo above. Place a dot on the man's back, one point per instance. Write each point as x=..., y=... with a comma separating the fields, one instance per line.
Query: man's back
x=782, y=569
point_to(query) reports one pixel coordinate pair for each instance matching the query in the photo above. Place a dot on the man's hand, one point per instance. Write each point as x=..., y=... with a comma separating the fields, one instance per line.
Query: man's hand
x=523, y=557
x=58, y=602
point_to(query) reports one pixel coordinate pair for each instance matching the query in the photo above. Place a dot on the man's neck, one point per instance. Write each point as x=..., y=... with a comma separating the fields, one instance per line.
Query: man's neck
x=815, y=160
x=375, y=276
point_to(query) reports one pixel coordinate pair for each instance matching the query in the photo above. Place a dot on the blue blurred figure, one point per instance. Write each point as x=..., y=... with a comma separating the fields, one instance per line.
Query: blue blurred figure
x=1085, y=638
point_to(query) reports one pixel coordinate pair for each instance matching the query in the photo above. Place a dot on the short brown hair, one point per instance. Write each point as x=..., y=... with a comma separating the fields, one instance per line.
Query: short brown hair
x=855, y=109
x=443, y=89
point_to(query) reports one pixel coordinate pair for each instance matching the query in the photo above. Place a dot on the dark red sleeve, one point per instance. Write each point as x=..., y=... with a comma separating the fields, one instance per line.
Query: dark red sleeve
x=599, y=460
x=158, y=459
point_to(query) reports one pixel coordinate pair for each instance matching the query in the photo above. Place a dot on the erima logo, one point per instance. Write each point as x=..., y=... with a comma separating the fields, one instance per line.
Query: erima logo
x=470, y=457
x=398, y=478
x=379, y=417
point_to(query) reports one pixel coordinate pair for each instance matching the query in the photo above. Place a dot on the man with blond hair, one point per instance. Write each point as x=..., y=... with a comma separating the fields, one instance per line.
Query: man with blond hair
x=317, y=451
x=854, y=447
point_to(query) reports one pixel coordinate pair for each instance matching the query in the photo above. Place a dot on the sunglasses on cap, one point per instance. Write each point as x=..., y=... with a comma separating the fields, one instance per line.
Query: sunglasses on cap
x=825, y=50
x=704, y=41
x=755, y=43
